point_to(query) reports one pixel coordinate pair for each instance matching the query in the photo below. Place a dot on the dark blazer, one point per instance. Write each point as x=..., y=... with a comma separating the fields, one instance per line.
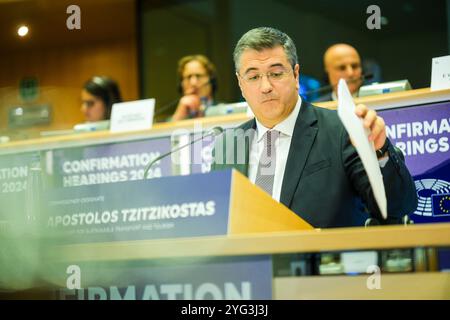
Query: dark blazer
x=324, y=180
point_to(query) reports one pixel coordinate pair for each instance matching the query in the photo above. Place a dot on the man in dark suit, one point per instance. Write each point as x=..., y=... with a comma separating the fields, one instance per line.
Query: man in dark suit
x=301, y=154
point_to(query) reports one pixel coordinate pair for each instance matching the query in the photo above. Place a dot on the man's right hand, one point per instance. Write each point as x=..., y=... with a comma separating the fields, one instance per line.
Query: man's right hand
x=187, y=106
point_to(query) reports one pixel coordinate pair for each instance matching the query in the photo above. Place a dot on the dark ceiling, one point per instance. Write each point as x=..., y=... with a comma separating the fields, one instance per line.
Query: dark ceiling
x=403, y=16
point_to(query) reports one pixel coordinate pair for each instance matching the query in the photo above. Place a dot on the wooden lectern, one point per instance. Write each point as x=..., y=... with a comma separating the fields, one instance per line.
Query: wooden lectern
x=252, y=210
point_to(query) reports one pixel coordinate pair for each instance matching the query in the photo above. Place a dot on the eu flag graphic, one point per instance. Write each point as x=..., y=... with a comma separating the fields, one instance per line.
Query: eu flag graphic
x=441, y=204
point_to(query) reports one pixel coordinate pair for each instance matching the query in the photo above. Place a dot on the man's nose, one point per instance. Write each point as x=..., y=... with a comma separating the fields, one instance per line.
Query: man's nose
x=193, y=81
x=265, y=85
x=349, y=71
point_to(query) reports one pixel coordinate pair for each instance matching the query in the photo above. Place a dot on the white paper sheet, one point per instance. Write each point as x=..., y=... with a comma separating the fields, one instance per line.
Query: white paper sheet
x=365, y=148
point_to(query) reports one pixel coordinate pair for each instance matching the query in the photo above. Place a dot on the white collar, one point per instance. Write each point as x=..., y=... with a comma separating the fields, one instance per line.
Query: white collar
x=286, y=127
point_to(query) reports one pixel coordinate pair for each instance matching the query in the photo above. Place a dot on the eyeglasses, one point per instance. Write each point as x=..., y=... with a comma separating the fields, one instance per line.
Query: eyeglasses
x=272, y=76
x=195, y=75
x=344, y=67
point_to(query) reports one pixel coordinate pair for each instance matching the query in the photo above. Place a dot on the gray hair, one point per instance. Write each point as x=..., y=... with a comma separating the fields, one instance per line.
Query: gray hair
x=265, y=38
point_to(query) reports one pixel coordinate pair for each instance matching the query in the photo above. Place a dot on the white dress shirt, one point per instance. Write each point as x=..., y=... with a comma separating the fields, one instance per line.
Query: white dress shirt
x=283, y=143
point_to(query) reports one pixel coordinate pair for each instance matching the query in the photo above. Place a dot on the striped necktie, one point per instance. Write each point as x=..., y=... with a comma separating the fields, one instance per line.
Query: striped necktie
x=266, y=167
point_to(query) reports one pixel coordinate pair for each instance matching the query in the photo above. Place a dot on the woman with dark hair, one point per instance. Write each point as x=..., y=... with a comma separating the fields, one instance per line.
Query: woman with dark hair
x=98, y=96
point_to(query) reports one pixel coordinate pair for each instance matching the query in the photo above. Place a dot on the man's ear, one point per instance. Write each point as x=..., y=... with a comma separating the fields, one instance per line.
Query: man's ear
x=297, y=75
x=240, y=84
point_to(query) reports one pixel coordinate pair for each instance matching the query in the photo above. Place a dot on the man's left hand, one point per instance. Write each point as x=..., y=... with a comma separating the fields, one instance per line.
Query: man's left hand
x=374, y=123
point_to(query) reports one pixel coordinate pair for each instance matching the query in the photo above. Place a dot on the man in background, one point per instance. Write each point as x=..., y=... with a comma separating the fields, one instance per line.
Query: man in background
x=198, y=86
x=342, y=61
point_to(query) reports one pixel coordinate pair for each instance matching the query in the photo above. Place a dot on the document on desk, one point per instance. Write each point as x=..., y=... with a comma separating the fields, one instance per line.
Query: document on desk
x=365, y=148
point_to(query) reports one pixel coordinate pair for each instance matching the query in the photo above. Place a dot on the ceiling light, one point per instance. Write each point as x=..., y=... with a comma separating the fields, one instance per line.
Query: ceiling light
x=22, y=31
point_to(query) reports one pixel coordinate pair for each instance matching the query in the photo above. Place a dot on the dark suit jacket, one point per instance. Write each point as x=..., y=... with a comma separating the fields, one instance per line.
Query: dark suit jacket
x=324, y=180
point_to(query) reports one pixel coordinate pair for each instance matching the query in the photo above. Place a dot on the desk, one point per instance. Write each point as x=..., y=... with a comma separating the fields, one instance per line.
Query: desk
x=420, y=285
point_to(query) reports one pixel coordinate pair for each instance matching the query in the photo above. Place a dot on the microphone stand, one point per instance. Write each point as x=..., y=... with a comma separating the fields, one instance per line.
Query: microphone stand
x=214, y=132
x=329, y=87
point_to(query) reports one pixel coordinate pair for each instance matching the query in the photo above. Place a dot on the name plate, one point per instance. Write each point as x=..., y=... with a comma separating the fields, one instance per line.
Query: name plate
x=132, y=115
x=171, y=207
x=440, y=73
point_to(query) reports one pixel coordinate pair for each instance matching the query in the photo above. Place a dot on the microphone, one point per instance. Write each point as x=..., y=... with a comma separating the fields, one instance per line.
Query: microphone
x=329, y=87
x=213, y=132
